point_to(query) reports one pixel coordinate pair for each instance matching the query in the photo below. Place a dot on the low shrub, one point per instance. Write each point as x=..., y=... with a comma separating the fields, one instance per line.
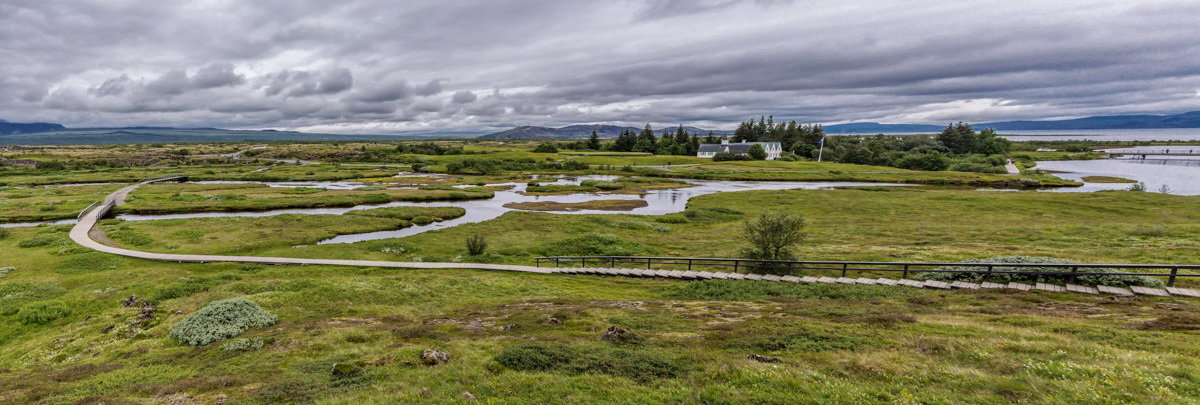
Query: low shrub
x=221, y=320
x=672, y=219
x=187, y=287
x=1036, y=278
x=712, y=214
x=742, y=290
x=637, y=365
x=4, y=233
x=240, y=345
x=592, y=244
x=41, y=313
x=476, y=245
x=37, y=241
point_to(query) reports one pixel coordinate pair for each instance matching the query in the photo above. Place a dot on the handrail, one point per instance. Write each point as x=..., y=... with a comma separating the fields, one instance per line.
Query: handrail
x=86, y=210
x=901, y=267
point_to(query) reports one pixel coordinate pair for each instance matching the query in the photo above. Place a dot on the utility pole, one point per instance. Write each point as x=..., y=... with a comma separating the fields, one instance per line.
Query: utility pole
x=821, y=153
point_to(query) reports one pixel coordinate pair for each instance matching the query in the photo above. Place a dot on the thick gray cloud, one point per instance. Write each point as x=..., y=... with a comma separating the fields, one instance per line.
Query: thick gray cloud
x=428, y=65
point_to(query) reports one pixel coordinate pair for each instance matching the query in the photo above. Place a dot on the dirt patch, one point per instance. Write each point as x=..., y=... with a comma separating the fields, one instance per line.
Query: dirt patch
x=598, y=205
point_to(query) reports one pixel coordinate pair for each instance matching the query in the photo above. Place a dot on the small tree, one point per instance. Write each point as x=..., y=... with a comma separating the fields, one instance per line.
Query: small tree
x=757, y=152
x=476, y=245
x=773, y=236
x=594, y=141
x=545, y=148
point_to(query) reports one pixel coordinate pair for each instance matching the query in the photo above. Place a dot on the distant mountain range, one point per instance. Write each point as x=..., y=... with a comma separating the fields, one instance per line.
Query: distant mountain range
x=42, y=133
x=579, y=131
x=9, y=128
x=1184, y=120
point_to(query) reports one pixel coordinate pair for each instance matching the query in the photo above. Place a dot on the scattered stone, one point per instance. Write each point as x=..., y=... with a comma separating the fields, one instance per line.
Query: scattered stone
x=553, y=321
x=469, y=396
x=434, y=357
x=619, y=335
x=425, y=392
x=763, y=359
x=130, y=301
x=107, y=329
x=508, y=326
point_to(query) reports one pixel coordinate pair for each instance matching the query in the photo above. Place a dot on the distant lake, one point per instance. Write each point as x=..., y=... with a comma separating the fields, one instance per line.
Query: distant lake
x=1162, y=134
x=1181, y=175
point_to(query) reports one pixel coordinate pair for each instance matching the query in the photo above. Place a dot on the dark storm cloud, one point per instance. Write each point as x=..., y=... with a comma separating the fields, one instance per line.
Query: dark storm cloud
x=378, y=66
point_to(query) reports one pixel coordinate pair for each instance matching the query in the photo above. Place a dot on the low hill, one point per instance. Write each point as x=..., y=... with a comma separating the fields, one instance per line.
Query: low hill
x=1184, y=120
x=9, y=128
x=580, y=131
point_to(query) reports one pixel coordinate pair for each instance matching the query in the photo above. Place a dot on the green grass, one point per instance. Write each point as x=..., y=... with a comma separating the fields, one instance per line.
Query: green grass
x=174, y=198
x=354, y=335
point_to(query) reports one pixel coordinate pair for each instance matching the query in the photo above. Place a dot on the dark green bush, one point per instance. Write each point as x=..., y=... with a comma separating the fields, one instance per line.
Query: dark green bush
x=592, y=244
x=37, y=241
x=745, y=290
x=41, y=313
x=476, y=245
x=1035, y=278
x=637, y=365
x=221, y=320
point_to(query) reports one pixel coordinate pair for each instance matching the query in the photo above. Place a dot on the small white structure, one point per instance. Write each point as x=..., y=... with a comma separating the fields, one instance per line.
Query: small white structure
x=708, y=150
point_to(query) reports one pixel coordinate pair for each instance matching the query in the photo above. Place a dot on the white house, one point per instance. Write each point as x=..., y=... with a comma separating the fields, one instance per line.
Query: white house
x=708, y=150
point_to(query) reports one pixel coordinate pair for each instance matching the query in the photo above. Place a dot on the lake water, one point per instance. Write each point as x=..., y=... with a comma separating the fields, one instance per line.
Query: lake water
x=1159, y=134
x=1181, y=175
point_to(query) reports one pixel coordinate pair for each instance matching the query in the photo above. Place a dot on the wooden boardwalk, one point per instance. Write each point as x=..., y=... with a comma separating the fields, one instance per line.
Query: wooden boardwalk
x=87, y=220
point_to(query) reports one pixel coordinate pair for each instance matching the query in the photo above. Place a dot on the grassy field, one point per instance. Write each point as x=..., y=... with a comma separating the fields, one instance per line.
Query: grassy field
x=857, y=224
x=88, y=327
x=845, y=344
x=49, y=203
x=186, y=197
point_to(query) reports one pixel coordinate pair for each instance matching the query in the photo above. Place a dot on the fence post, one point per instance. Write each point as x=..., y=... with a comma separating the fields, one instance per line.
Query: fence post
x=689, y=264
x=988, y=276
x=1171, y=281
x=556, y=262
x=844, y=266
x=1074, y=269
x=905, y=272
x=648, y=263
x=735, y=265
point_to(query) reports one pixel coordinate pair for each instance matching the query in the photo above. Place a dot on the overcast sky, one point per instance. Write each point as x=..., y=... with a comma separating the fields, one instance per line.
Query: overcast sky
x=375, y=66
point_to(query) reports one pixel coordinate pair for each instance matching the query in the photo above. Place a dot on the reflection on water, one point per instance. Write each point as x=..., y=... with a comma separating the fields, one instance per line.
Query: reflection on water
x=662, y=201
x=1182, y=176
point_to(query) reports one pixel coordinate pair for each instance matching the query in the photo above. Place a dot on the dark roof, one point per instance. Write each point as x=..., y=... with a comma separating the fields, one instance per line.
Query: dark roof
x=733, y=147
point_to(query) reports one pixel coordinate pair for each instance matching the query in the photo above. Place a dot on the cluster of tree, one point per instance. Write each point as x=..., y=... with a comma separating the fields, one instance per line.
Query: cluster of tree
x=957, y=148
x=789, y=135
x=494, y=166
x=677, y=142
x=426, y=148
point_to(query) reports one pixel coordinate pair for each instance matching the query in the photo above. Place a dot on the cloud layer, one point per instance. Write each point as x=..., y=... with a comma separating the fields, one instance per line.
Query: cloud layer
x=476, y=65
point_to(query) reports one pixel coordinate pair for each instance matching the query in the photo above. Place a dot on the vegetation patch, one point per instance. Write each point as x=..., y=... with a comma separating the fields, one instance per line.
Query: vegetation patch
x=88, y=262
x=221, y=320
x=1173, y=321
x=409, y=213
x=640, y=365
x=1113, y=280
x=594, y=244
x=1107, y=179
x=41, y=313
x=743, y=290
x=598, y=205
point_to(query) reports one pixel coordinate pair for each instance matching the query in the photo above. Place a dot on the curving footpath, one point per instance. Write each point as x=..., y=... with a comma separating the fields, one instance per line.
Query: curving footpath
x=81, y=234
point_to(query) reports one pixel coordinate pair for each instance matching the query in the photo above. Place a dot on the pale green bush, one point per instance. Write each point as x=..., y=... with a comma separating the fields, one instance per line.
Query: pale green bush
x=221, y=320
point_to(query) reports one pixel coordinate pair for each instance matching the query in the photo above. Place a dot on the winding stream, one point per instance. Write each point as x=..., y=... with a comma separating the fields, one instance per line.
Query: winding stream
x=659, y=202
